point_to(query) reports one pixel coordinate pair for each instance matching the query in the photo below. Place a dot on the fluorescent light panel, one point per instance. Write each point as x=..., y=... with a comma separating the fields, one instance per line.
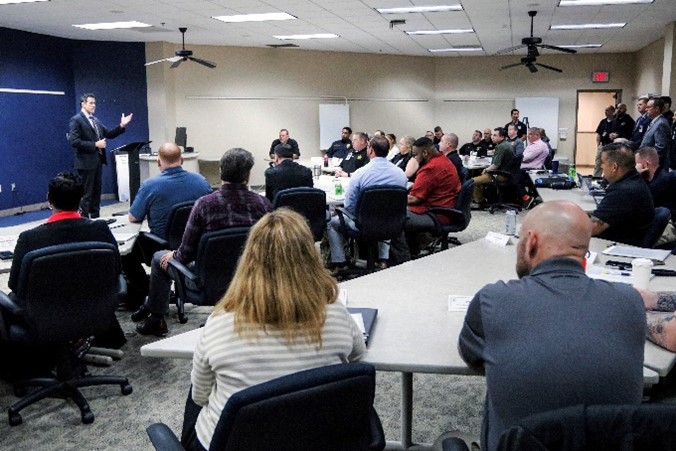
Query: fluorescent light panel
x=581, y=46
x=420, y=9
x=307, y=36
x=601, y=2
x=586, y=26
x=456, y=49
x=431, y=32
x=112, y=25
x=255, y=17
x=12, y=2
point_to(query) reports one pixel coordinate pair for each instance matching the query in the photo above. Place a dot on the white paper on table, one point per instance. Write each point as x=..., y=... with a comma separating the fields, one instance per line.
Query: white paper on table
x=638, y=252
x=8, y=242
x=610, y=275
x=497, y=238
x=458, y=303
x=359, y=319
x=124, y=237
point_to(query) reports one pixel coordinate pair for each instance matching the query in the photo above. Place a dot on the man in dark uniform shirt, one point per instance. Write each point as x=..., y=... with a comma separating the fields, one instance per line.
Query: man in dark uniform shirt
x=340, y=148
x=520, y=126
x=477, y=145
x=284, y=139
x=603, y=136
x=357, y=156
x=487, y=141
x=623, y=125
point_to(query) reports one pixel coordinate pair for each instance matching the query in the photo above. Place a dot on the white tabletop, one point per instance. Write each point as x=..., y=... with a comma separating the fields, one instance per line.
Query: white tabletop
x=577, y=196
x=476, y=163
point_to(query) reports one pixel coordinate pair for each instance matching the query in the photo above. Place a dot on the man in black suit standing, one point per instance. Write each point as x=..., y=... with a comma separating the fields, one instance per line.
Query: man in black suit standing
x=286, y=173
x=88, y=138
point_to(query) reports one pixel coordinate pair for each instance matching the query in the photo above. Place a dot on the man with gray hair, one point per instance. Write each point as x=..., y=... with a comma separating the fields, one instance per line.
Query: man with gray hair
x=232, y=205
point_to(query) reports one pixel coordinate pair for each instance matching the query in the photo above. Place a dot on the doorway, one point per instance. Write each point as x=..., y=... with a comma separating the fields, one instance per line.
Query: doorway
x=590, y=111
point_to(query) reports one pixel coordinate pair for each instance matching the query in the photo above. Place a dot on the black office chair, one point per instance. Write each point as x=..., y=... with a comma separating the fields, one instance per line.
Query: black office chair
x=506, y=186
x=656, y=228
x=204, y=281
x=458, y=217
x=380, y=214
x=644, y=427
x=326, y=408
x=310, y=202
x=65, y=293
x=176, y=222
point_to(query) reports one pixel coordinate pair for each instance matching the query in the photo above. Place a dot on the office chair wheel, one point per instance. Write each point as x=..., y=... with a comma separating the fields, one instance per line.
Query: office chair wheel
x=182, y=318
x=87, y=417
x=14, y=418
x=126, y=389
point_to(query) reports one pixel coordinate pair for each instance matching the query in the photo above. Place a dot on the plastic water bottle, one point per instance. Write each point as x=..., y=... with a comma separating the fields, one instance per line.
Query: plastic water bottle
x=510, y=222
x=572, y=173
x=339, y=188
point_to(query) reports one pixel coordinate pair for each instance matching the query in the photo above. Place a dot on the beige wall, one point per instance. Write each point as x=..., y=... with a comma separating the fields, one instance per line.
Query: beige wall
x=649, y=76
x=479, y=94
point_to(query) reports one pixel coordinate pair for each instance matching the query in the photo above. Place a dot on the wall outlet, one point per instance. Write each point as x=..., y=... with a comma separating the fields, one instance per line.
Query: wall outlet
x=13, y=185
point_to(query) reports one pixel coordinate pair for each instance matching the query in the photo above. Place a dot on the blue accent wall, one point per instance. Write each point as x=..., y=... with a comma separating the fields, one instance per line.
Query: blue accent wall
x=33, y=127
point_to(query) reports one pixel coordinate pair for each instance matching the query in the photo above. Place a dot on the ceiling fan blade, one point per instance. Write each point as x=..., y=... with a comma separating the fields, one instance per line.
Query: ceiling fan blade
x=509, y=66
x=532, y=68
x=558, y=49
x=177, y=63
x=172, y=59
x=209, y=64
x=510, y=49
x=555, y=69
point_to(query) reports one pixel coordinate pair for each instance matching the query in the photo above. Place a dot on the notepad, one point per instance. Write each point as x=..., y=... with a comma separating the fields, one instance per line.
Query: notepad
x=365, y=318
x=458, y=303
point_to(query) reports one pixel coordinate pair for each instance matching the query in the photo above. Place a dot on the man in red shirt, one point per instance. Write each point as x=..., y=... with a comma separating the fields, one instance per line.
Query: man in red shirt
x=437, y=184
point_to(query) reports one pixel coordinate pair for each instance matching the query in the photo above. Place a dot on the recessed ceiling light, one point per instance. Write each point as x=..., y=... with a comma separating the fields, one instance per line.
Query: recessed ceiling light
x=600, y=2
x=11, y=2
x=586, y=26
x=254, y=17
x=456, y=31
x=457, y=49
x=581, y=46
x=112, y=25
x=420, y=9
x=307, y=36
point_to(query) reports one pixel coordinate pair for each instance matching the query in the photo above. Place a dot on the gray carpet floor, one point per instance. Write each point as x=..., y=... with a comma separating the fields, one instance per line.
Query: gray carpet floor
x=441, y=402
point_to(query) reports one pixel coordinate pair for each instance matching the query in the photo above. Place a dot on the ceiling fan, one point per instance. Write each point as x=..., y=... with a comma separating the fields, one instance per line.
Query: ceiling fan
x=183, y=55
x=532, y=43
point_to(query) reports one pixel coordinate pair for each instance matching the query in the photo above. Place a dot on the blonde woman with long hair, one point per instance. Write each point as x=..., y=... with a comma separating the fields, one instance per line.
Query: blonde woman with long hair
x=278, y=317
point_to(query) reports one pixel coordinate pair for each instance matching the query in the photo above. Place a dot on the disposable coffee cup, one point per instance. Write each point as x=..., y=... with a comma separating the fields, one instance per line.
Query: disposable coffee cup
x=555, y=166
x=641, y=271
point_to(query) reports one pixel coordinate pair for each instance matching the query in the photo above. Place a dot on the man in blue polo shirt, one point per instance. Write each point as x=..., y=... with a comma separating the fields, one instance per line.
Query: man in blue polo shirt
x=155, y=199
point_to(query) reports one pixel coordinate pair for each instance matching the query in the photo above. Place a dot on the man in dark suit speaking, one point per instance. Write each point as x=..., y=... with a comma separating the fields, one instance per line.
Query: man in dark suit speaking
x=88, y=138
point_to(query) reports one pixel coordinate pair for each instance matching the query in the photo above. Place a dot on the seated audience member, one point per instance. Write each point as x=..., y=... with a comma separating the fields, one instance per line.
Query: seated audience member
x=437, y=184
x=232, y=205
x=378, y=172
x=271, y=322
x=535, y=154
x=286, y=173
x=661, y=307
x=662, y=183
x=438, y=133
x=65, y=225
x=552, y=151
x=476, y=145
x=487, y=140
x=404, y=159
x=430, y=135
x=528, y=336
x=155, y=200
x=284, y=139
x=504, y=152
x=449, y=147
x=356, y=158
x=627, y=208
x=394, y=150
x=514, y=139
x=340, y=148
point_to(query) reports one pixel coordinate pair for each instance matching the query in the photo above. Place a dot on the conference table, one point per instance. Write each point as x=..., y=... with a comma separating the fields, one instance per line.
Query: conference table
x=125, y=233
x=415, y=332
x=575, y=195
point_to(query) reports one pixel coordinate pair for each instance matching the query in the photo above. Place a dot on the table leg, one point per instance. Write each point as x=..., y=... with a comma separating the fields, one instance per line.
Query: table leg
x=406, y=409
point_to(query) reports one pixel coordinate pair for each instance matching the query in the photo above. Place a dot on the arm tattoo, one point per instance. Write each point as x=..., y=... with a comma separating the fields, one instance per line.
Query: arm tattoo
x=656, y=327
x=666, y=301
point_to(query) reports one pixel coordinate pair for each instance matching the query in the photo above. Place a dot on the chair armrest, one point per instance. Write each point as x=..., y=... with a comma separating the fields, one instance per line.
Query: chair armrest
x=454, y=444
x=183, y=270
x=163, y=438
x=8, y=304
x=454, y=215
x=156, y=239
x=342, y=212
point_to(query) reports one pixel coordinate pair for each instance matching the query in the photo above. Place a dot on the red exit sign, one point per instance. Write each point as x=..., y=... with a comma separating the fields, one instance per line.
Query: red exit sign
x=600, y=77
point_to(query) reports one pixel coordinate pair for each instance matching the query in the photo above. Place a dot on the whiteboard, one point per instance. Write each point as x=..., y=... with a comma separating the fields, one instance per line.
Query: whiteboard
x=332, y=119
x=542, y=112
